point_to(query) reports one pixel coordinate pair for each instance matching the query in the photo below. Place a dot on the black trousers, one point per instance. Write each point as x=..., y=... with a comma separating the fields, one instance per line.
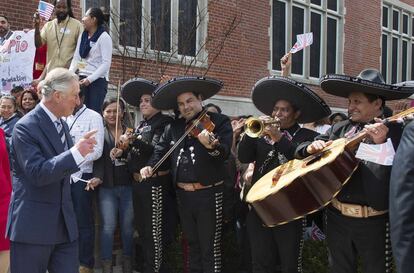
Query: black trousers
x=201, y=215
x=281, y=243
x=153, y=204
x=350, y=237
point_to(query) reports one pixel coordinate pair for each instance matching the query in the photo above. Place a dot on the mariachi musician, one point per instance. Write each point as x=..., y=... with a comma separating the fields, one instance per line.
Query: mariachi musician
x=151, y=198
x=289, y=103
x=197, y=165
x=357, y=218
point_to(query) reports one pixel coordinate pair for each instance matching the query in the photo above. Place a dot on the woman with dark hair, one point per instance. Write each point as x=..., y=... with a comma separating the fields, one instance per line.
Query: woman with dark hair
x=8, y=117
x=115, y=193
x=28, y=101
x=211, y=107
x=92, y=58
x=337, y=117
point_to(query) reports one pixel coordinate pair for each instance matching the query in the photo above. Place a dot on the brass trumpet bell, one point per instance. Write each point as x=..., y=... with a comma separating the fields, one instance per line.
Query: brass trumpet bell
x=253, y=127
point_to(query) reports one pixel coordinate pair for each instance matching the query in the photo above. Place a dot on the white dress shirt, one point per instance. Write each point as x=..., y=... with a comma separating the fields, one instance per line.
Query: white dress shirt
x=75, y=153
x=83, y=121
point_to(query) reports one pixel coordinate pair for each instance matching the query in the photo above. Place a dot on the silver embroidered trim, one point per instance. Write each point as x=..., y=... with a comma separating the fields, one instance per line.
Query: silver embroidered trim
x=302, y=242
x=217, y=233
x=157, y=226
x=388, y=249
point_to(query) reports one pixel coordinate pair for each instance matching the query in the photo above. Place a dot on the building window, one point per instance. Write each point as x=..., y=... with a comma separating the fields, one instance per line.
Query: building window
x=397, y=42
x=130, y=25
x=170, y=27
x=324, y=18
x=187, y=27
x=96, y=4
x=161, y=25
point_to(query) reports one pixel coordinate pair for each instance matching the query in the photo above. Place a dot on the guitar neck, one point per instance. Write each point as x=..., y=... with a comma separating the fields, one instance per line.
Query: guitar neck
x=353, y=143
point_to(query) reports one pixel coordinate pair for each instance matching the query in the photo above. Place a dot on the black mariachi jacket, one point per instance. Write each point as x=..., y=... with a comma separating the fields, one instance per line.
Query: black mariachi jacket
x=142, y=149
x=369, y=184
x=269, y=156
x=209, y=164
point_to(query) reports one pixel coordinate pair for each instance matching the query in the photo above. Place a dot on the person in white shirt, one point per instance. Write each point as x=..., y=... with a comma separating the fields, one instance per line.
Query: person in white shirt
x=92, y=59
x=84, y=120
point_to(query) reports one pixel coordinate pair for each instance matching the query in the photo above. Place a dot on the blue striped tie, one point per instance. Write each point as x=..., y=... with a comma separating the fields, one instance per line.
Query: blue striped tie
x=61, y=133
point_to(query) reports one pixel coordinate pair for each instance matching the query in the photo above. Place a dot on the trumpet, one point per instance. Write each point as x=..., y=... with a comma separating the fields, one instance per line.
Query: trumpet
x=254, y=127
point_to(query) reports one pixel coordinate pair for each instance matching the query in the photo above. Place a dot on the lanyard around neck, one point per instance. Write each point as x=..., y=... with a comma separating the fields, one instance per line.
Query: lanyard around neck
x=59, y=42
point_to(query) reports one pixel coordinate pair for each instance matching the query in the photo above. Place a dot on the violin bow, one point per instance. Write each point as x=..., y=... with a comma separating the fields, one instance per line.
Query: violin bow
x=117, y=111
x=168, y=153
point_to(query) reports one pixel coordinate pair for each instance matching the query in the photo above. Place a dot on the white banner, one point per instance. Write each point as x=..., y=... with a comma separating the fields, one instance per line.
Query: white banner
x=16, y=61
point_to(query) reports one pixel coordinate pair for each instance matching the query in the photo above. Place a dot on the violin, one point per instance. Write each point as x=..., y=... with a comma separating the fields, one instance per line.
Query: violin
x=199, y=125
x=126, y=138
x=194, y=128
x=202, y=123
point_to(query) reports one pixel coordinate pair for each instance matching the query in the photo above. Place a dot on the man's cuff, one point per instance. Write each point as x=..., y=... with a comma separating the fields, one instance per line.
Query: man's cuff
x=77, y=156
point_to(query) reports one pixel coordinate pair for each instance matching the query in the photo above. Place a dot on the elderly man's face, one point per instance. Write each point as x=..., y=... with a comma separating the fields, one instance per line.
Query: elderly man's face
x=4, y=26
x=68, y=100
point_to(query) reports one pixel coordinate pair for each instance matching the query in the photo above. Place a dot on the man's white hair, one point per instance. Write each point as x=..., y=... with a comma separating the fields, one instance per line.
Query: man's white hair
x=59, y=79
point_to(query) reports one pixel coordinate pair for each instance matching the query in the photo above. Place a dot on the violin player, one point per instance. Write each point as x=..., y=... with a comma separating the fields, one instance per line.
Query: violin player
x=152, y=197
x=291, y=103
x=197, y=165
x=357, y=218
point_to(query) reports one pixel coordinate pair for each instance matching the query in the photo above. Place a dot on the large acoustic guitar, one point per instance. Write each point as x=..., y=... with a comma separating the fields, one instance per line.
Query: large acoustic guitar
x=300, y=187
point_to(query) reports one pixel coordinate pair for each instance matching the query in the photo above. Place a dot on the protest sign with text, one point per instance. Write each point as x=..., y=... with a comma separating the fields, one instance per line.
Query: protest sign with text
x=16, y=61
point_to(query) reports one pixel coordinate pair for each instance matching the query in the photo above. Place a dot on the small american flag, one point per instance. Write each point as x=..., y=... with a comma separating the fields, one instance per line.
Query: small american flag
x=382, y=154
x=302, y=41
x=316, y=233
x=45, y=10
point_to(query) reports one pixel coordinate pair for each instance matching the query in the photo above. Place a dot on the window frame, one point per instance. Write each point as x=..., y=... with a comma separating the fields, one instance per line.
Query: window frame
x=145, y=51
x=323, y=10
x=402, y=9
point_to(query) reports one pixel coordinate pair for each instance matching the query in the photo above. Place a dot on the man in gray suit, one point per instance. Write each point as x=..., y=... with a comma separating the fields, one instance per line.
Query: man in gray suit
x=42, y=223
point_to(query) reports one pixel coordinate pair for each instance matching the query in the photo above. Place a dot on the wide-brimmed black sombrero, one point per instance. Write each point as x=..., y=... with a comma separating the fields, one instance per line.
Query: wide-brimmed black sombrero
x=369, y=81
x=165, y=96
x=133, y=89
x=267, y=91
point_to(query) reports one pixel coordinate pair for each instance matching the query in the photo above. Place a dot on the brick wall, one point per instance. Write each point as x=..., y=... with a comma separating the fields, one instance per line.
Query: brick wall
x=243, y=59
x=246, y=53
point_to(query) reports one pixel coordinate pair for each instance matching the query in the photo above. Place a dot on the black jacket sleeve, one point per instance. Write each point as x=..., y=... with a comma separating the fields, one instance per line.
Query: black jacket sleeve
x=247, y=150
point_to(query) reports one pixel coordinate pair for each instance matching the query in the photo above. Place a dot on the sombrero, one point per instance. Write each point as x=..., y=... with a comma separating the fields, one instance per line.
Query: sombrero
x=267, y=91
x=369, y=81
x=134, y=88
x=165, y=96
